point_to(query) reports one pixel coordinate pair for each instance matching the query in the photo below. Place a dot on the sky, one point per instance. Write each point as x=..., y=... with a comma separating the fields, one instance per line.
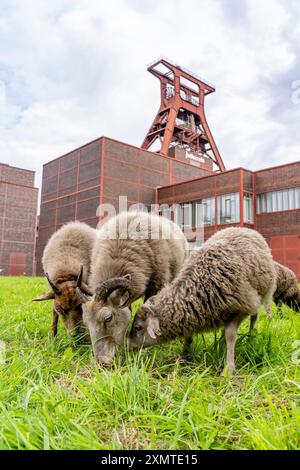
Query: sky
x=74, y=70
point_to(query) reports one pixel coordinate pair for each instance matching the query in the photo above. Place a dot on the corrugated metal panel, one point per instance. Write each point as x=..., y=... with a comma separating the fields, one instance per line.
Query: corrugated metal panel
x=17, y=264
x=286, y=250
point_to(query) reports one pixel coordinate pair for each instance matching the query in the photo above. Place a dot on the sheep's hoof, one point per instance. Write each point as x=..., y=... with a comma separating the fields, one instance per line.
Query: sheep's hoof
x=228, y=372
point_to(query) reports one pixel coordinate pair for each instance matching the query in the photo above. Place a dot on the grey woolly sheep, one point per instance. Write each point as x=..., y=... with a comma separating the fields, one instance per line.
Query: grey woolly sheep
x=67, y=251
x=135, y=254
x=287, y=291
x=219, y=285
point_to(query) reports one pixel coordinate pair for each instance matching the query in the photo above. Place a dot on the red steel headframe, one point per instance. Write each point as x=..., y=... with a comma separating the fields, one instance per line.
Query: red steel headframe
x=181, y=117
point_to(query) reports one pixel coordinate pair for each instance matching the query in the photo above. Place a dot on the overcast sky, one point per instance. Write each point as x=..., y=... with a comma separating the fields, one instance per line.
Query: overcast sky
x=73, y=70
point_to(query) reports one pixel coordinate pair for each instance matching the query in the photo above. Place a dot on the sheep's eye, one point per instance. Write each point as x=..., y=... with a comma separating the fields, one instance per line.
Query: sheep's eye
x=138, y=328
x=108, y=318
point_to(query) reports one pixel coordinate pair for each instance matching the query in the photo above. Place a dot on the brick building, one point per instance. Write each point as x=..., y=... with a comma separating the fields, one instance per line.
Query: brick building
x=18, y=211
x=187, y=170
x=267, y=200
x=76, y=186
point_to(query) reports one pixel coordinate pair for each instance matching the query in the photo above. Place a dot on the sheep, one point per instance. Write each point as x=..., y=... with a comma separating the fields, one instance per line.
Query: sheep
x=287, y=291
x=67, y=250
x=135, y=254
x=219, y=285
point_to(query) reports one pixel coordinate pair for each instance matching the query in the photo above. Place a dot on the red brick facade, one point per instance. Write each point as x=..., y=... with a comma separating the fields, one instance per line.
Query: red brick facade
x=281, y=228
x=18, y=210
x=77, y=185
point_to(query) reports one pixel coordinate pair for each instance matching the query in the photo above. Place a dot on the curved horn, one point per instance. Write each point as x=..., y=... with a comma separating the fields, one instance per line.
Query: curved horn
x=106, y=288
x=52, y=285
x=79, y=279
x=82, y=296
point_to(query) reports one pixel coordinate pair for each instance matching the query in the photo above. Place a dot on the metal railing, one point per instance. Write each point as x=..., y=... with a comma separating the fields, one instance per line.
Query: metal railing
x=192, y=74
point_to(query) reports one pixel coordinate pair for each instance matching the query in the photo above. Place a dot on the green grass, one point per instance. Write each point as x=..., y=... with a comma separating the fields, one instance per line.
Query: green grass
x=52, y=396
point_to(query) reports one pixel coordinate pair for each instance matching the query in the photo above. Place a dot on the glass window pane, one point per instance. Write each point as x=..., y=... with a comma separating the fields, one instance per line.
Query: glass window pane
x=285, y=201
x=179, y=215
x=248, y=208
x=212, y=210
x=291, y=195
x=269, y=202
x=237, y=205
x=278, y=195
x=297, y=198
x=198, y=214
x=166, y=211
x=228, y=208
x=187, y=215
x=274, y=201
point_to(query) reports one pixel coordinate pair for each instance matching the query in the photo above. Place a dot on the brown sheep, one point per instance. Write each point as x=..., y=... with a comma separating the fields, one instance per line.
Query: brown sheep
x=68, y=249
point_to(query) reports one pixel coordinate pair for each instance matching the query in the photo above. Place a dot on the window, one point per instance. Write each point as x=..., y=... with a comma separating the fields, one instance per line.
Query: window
x=187, y=215
x=183, y=215
x=228, y=208
x=248, y=208
x=274, y=201
x=166, y=211
x=195, y=214
x=261, y=203
x=204, y=212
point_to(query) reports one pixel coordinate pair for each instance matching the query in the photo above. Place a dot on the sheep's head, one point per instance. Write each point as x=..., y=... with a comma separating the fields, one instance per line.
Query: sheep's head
x=107, y=316
x=145, y=329
x=67, y=303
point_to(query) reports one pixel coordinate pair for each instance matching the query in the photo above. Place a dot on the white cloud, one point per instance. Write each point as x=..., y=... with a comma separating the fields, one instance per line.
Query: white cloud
x=74, y=70
x=2, y=94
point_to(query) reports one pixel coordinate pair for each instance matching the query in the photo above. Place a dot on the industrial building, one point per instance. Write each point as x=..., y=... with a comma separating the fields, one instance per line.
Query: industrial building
x=267, y=200
x=186, y=169
x=18, y=210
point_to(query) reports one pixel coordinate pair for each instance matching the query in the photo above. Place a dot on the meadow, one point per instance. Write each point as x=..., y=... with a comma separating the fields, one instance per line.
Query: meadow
x=53, y=396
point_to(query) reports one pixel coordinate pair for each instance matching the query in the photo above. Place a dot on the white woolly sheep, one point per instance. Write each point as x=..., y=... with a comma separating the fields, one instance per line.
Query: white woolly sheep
x=135, y=254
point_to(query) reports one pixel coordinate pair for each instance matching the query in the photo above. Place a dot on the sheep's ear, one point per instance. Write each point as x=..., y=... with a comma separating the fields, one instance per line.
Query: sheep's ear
x=48, y=296
x=153, y=327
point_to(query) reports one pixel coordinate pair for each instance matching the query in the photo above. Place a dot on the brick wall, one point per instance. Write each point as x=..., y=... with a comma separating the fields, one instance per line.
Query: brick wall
x=281, y=177
x=18, y=211
x=13, y=175
x=74, y=187
x=224, y=183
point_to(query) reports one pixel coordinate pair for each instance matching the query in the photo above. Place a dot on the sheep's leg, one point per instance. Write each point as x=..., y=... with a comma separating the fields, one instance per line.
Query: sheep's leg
x=187, y=342
x=54, y=323
x=253, y=320
x=269, y=311
x=230, y=336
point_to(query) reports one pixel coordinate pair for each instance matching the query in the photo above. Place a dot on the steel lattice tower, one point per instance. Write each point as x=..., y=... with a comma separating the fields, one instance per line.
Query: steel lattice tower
x=181, y=118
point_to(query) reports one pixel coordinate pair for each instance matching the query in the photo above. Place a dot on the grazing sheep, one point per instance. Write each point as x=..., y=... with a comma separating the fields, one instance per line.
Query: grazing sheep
x=287, y=291
x=68, y=250
x=219, y=285
x=135, y=254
